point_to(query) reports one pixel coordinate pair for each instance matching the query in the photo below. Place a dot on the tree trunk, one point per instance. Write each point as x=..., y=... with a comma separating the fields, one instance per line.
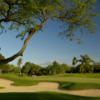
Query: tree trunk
x=20, y=53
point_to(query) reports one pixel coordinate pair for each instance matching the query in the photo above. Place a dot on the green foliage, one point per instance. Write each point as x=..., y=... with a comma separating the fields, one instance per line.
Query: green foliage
x=35, y=70
x=79, y=18
x=19, y=62
x=31, y=69
x=1, y=57
x=7, y=68
x=73, y=69
x=65, y=68
x=74, y=61
x=73, y=14
x=85, y=65
x=56, y=68
x=97, y=67
x=16, y=70
x=26, y=67
x=44, y=71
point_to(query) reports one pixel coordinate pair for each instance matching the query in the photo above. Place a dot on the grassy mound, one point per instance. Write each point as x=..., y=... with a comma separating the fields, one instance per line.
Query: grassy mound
x=78, y=86
x=19, y=80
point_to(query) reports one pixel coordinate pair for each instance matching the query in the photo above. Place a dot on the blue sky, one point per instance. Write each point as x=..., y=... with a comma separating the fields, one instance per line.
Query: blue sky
x=45, y=47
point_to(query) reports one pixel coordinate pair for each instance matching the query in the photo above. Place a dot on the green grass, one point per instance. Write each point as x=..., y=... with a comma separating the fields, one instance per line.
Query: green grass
x=78, y=86
x=67, y=81
x=2, y=87
x=19, y=80
x=43, y=96
x=24, y=83
x=87, y=75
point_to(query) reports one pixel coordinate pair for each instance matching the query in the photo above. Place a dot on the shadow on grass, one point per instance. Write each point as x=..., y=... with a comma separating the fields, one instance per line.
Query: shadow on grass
x=66, y=85
x=43, y=96
x=78, y=86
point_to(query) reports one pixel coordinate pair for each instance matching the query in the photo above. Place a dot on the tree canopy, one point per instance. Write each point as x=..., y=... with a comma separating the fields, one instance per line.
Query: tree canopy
x=32, y=15
x=85, y=63
x=19, y=62
x=57, y=68
x=31, y=68
x=1, y=57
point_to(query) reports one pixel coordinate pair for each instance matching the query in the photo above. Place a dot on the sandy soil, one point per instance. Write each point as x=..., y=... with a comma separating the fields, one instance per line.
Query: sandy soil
x=45, y=86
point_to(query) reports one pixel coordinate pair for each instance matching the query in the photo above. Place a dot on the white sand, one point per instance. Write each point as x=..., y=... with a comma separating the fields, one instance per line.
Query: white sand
x=45, y=86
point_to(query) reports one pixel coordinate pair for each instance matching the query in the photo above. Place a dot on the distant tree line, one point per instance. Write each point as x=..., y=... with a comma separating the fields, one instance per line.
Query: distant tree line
x=8, y=68
x=55, y=68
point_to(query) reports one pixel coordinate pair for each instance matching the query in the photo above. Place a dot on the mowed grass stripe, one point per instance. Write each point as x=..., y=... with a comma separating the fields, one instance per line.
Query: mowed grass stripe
x=67, y=79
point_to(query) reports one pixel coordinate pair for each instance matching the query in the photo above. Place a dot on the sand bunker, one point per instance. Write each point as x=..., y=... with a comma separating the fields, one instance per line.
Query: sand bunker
x=45, y=86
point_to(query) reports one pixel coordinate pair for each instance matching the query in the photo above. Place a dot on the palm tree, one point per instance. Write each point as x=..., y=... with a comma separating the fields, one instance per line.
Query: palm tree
x=19, y=63
x=85, y=63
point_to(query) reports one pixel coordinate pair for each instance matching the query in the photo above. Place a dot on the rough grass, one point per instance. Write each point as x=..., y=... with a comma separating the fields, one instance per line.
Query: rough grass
x=19, y=80
x=67, y=81
x=87, y=75
x=43, y=96
x=2, y=87
x=78, y=86
x=24, y=83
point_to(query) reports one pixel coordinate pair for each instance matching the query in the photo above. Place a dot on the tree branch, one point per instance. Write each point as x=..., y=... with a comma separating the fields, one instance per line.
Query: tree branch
x=2, y=20
x=43, y=12
x=20, y=53
x=17, y=22
x=55, y=16
x=8, y=11
x=2, y=13
x=5, y=61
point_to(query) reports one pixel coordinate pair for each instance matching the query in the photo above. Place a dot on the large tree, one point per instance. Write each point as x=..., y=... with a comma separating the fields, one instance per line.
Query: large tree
x=33, y=14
